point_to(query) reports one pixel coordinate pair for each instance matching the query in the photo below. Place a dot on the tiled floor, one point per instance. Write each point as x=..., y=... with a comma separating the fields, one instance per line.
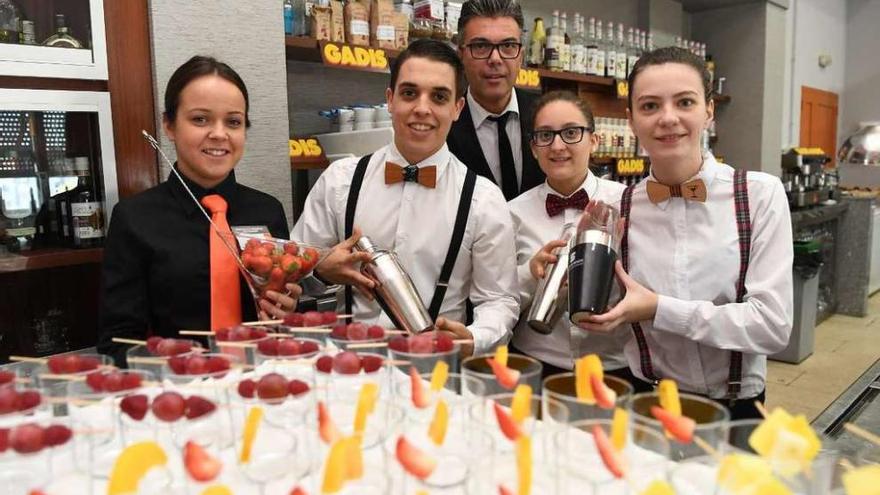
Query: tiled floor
x=845, y=347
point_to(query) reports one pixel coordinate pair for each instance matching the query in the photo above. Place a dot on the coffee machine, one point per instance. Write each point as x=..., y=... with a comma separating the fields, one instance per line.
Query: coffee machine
x=804, y=177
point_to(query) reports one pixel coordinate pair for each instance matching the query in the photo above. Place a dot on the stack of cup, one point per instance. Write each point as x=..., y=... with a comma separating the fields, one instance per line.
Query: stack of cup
x=363, y=117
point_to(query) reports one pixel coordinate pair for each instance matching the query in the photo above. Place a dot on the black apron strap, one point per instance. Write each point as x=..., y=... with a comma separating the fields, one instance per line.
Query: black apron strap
x=744, y=231
x=461, y=218
x=642, y=343
x=353, y=192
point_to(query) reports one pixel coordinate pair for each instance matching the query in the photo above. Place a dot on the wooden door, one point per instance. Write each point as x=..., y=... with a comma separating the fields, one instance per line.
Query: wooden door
x=819, y=120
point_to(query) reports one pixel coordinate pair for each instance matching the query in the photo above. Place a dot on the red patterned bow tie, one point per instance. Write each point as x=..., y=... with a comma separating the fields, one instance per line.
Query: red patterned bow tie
x=557, y=204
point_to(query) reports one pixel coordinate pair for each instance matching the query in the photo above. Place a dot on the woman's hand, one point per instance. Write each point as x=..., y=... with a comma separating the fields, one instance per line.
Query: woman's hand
x=639, y=304
x=456, y=330
x=341, y=266
x=539, y=262
x=275, y=305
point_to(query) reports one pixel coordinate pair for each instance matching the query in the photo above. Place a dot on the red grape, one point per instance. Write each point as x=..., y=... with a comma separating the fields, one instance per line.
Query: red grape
x=347, y=363
x=131, y=380
x=339, y=331
x=56, y=435
x=113, y=382
x=26, y=438
x=289, y=347
x=198, y=406
x=421, y=344
x=178, y=364
x=135, y=406
x=328, y=317
x=217, y=364
x=324, y=364
x=357, y=331
x=28, y=399
x=399, y=343
x=297, y=387
x=293, y=319
x=312, y=319
x=258, y=333
x=268, y=347
x=221, y=334
x=371, y=363
x=443, y=343
x=6, y=377
x=4, y=439
x=8, y=400
x=246, y=388
x=86, y=363
x=308, y=347
x=95, y=381
x=168, y=406
x=272, y=387
x=196, y=365
x=375, y=332
x=154, y=343
x=56, y=364
x=239, y=333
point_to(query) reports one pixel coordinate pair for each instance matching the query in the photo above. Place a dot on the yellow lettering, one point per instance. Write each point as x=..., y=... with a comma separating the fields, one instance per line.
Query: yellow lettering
x=295, y=148
x=534, y=78
x=378, y=60
x=362, y=56
x=331, y=53
x=313, y=147
x=348, y=56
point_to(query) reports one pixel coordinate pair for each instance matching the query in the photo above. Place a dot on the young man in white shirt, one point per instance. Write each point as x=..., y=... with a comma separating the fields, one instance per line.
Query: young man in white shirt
x=407, y=200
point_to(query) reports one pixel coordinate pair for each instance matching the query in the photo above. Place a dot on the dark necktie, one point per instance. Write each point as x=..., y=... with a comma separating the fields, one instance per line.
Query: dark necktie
x=505, y=156
x=557, y=204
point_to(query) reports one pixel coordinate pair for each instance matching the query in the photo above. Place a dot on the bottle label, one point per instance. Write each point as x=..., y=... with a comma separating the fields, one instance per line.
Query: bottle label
x=621, y=65
x=87, y=219
x=611, y=64
x=592, y=63
x=385, y=33
x=600, y=63
x=360, y=28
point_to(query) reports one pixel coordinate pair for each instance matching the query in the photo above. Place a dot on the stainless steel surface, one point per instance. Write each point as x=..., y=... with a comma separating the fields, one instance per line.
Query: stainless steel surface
x=859, y=404
x=594, y=236
x=394, y=288
x=863, y=147
x=551, y=296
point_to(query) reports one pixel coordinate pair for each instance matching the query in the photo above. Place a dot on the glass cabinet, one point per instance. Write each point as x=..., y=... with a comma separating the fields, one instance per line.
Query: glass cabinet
x=53, y=38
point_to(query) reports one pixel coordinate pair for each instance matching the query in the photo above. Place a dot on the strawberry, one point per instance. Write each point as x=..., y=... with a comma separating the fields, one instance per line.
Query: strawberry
x=328, y=431
x=197, y=406
x=508, y=426
x=200, y=465
x=56, y=435
x=507, y=377
x=413, y=460
x=290, y=263
x=252, y=244
x=605, y=395
x=291, y=248
x=503, y=490
x=135, y=406
x=298, y=491
x=612, y=459
x=680, y=427
x=262, y=265
x=247, y=259
x=419, y=397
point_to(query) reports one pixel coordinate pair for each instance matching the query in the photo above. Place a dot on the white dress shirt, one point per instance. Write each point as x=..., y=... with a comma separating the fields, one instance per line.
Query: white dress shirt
x=688, y=253
x=487, y=135
x=416, y=222
x=534, y=229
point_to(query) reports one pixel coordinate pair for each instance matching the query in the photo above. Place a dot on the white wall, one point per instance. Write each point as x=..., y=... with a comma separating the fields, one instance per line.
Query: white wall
x=862, y=82
x=816, y=27
x=249, y=36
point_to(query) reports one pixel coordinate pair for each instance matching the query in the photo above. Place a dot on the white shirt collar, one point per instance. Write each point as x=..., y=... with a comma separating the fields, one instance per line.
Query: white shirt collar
x=590, y=185
x=480, y=114
x=708, y=170
x=439, y=159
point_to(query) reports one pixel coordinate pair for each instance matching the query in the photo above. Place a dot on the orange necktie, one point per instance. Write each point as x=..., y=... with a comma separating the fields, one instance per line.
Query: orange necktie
x=694, y=190
x=225, y=289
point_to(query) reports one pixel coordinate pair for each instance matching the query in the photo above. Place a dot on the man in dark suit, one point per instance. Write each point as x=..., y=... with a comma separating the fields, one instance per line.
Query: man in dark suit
x=491, y=135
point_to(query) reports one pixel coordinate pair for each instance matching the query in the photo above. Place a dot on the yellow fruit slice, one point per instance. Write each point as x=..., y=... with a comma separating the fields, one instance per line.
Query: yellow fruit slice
x=768, y=485
x=366, y=403
x=738, y=471
x=251, y=424
x=764, y=436
x=217, y=490
x=439, y=376
x=787, y=442
x=501, y=355
x=132, y=464
x=669, y=400
x=521, y=404
x=524, y=464
x=354, y=466
x=618, y=428
x=862, y=481
x=584, y=368
x=658, y=487
x=439, y=423
x=335, y=467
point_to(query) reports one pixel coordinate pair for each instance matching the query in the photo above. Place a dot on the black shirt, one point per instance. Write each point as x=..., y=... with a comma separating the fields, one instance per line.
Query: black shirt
x=156, y=269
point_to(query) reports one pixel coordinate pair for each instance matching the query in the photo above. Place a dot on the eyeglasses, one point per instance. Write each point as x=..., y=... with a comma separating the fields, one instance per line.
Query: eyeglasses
x=482, y=50
x=569, y=135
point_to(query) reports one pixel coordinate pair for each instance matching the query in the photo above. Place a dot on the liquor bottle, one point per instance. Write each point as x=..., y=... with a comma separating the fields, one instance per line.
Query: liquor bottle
x=86, y=212
x=536, y=48
x=632, y=53
x=650, y=42
x=564, y=44
x=601, y=55
x=26, y=35
x=288, y=17
x=710, y=66
x=621, y=53
x=678, y=41
x=643, y=43
x=592, y=50
x=10, y=19
x=610, y=52
x=62, y=37
x=577, y=46
x=551, y=53
x=300, y=18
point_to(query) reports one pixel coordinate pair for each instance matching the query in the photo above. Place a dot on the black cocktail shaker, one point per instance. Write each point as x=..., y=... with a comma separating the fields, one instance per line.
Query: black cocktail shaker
x=591, y=261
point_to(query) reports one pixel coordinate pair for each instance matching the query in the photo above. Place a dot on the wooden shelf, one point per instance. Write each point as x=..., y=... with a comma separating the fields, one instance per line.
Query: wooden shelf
x=574, y=77
x=49, y=258
x=308, y=49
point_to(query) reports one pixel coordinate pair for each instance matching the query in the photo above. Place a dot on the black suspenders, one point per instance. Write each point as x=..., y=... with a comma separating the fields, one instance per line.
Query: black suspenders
x=461, y=217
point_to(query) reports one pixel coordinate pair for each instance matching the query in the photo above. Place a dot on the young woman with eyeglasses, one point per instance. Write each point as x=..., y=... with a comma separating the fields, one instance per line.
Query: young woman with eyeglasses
x=561, y=140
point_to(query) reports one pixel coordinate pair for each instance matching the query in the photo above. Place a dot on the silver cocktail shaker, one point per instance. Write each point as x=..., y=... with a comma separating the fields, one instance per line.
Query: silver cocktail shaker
x=394, y=290
x=551, y=296
x=591, y=262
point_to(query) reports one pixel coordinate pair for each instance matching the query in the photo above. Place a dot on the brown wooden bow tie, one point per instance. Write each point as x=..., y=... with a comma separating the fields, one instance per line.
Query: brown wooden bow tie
x=694, y=190
x=426, y=176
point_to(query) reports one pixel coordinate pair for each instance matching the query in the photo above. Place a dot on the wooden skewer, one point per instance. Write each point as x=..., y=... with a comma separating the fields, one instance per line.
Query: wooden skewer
x=310, y=330
x=75, y=402
x=202, y=333
x=231, y=343
x=712, y=451
x=56, y=376
x=28, y=359
x=147, y=360
x=846, y=464
x=862, y=433
x=120, y=340
x=761, y=409
x=260, y=323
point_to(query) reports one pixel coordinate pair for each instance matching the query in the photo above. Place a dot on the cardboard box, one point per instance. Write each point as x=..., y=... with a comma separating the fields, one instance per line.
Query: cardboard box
x=401, y=30
x=337, y=22
x=321, y=23
x=357, y=22
x=382, y=32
